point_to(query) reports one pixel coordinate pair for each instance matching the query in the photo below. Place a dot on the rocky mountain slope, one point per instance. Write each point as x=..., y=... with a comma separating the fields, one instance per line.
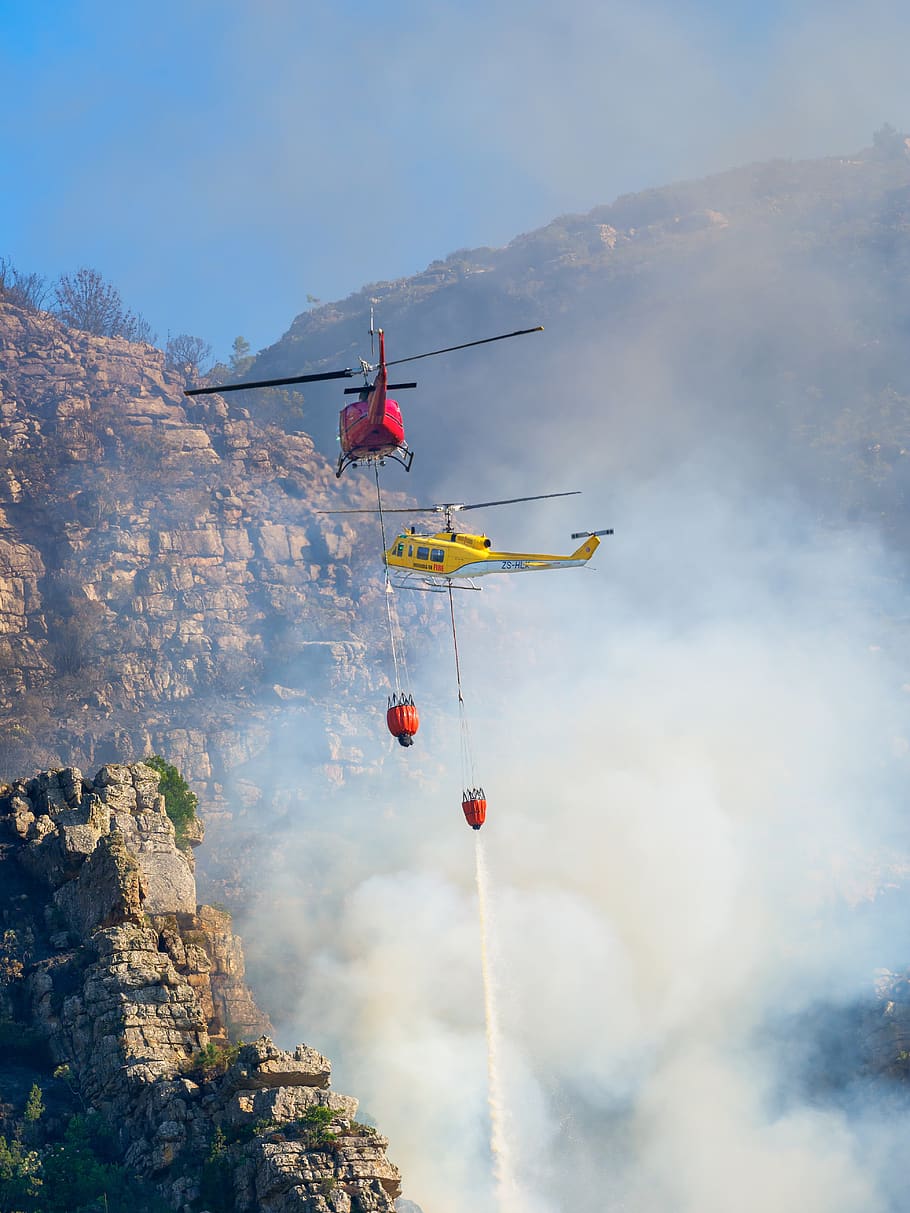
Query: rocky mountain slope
x=167, y=582
x=122, y=996
x=754, y=321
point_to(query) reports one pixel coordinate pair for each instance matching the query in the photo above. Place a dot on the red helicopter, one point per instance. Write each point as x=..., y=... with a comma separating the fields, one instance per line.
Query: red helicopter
x=370, y=429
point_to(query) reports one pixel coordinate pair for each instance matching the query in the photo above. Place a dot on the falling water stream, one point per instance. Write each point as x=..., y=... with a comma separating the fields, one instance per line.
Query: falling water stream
x=507, y=1192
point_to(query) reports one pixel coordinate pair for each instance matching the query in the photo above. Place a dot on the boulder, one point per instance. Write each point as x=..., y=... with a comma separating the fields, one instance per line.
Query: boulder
x=107, y=890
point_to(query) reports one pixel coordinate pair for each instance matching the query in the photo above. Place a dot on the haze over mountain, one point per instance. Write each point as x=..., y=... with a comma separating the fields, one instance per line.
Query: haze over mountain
x=695, y=759
x=754, y=321
x=698, y=754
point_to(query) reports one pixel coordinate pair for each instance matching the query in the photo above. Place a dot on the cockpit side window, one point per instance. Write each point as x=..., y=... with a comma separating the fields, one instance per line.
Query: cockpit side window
x=400, y=550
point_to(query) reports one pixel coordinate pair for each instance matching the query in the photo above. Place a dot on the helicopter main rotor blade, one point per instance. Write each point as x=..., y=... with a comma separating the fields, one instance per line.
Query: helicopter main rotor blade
x=414, y=509
x=479, y=505
x=348, y=373
x=465, y=346
x=442, y=507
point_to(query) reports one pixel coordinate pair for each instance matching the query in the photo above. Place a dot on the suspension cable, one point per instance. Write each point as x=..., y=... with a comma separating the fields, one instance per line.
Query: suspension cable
x=468, y=778
x=455, y=643
x=396, y=638
x=381, y=518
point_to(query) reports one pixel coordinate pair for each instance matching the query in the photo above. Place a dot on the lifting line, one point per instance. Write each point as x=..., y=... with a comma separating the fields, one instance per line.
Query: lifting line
x=396, y=637
x=469, y=781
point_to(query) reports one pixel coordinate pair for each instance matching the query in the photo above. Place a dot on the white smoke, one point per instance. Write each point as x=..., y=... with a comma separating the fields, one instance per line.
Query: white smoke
x=690, y=764
x=693, y=758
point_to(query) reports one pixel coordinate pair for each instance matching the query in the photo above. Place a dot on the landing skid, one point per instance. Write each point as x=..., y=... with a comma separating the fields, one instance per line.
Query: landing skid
x=402, y=454
x=432, y=585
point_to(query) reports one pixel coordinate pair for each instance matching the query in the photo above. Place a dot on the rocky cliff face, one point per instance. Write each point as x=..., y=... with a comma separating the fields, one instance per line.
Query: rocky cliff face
x=167, y=583
x=109, y=966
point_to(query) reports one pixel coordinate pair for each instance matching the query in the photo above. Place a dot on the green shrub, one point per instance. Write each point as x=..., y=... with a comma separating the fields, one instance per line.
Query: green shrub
x=20, y=1175
x=179, y=802
x=316, y=1122
x=213, y=1059
x=78, y=1172
x=216, y=1187
x=34, y=1105
x=15, y=949
x=83, y=1172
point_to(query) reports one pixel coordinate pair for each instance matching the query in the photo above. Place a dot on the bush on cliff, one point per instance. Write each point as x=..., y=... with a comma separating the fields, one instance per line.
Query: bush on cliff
x=75, y=1173
x=20, y=1179
x=212, y=1060
x=179, y=802
x=316, y=1122
x=216, y=1187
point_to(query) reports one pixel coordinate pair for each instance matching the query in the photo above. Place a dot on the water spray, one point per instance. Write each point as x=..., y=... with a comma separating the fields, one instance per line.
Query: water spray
x=507, y=1192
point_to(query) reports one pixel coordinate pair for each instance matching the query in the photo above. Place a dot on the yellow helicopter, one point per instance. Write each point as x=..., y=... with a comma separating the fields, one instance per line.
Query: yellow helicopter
x=453, y=558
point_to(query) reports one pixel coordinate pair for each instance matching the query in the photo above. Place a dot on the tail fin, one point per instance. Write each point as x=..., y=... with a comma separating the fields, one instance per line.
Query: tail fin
x=590, y=544
x=587, y=549
x=377, y=394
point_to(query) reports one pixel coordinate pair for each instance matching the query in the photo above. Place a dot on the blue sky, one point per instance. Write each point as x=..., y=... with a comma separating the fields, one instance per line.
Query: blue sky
x=218, y=162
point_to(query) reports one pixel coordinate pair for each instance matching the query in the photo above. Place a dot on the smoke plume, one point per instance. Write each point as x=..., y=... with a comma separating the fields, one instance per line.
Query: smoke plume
x=693, y=759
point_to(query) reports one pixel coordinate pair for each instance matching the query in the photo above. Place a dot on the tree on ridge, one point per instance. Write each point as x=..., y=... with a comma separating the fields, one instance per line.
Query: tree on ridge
x=85, y=301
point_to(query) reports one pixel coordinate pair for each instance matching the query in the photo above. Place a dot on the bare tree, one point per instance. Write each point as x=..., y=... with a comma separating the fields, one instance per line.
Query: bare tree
x=136, y=328
x=28, y=291
x=186, y=354
x=85, y=301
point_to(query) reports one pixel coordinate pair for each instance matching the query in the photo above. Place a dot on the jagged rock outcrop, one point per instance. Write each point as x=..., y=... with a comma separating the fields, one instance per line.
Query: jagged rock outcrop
x=139, y=992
